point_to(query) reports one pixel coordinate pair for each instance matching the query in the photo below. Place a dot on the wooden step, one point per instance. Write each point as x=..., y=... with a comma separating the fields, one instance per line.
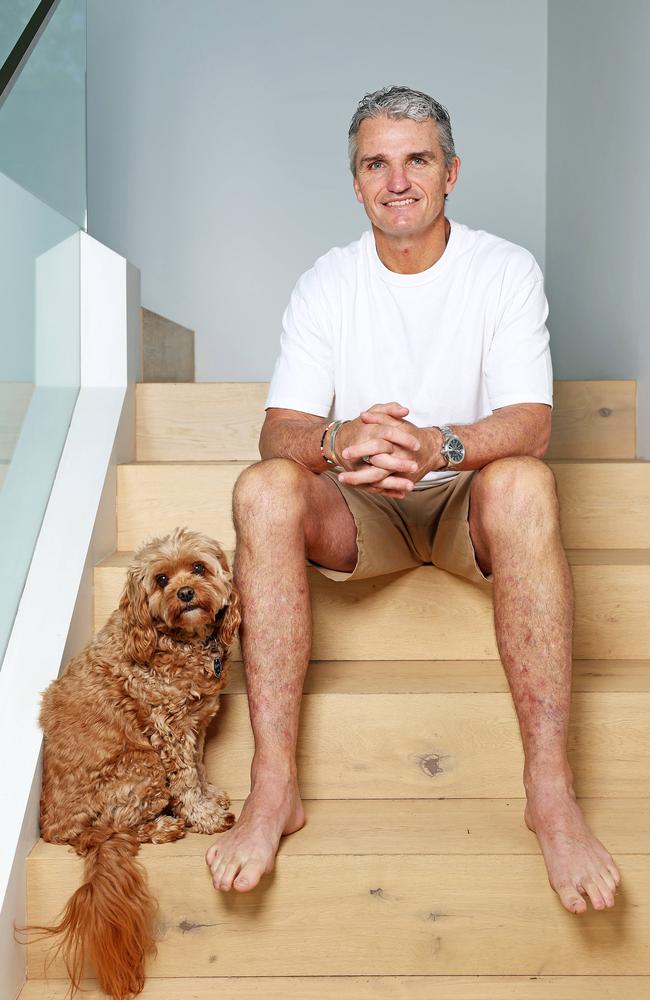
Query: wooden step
x=371, y=988
x=359, y=739
x=451, y=676
x=320, y=915
x=222, y=420
x=449, y=615
x=602, y=504
x=439, y=744
x=376, y=826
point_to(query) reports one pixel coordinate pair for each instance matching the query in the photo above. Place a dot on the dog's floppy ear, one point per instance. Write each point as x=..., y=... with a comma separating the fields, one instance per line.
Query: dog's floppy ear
x=231, y=619
x=140, y=638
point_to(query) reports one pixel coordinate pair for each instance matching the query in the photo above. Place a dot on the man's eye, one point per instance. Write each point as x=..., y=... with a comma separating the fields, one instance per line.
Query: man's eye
x=375, y=163
x=418, y=159
x=198, y=568
x=162, y=580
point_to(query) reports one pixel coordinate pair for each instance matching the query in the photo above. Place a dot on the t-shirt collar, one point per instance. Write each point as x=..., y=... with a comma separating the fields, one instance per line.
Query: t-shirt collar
x=422, y=277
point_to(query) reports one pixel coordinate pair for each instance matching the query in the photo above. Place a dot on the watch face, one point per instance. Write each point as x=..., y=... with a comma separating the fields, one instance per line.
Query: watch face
x=455, y=450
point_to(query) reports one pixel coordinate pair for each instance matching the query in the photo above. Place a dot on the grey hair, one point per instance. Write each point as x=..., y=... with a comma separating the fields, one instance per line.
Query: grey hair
x=396, y=103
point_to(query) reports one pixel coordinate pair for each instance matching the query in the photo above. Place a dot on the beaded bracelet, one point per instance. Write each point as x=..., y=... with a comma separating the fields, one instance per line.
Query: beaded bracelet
x=322, y=442
x=337, y=427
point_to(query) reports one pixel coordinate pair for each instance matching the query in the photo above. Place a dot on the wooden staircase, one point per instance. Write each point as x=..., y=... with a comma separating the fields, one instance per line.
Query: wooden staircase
x=415, y=876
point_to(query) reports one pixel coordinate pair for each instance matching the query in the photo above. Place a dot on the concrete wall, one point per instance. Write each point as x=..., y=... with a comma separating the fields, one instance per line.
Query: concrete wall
x=217, y=141
x=598, y=227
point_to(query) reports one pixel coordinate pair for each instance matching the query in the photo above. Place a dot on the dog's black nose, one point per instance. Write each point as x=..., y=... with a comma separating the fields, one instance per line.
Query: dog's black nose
x=186, y=594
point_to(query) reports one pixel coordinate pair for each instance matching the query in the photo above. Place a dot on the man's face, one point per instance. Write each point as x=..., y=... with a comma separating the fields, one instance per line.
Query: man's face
x=402, y=177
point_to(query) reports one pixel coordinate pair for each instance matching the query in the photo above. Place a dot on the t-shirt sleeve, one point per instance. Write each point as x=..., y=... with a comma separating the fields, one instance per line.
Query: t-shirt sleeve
x=518, y=367
x=303, y=377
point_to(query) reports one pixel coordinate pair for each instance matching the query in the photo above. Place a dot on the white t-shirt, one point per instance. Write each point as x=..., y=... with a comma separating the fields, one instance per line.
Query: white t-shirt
x=453, y=343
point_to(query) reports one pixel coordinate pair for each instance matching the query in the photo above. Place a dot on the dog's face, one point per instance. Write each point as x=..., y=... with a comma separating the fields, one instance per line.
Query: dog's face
x=180, y=585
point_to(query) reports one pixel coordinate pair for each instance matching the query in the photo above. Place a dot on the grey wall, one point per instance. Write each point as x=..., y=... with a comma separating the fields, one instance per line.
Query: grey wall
x=217, y=141
x=598, y=225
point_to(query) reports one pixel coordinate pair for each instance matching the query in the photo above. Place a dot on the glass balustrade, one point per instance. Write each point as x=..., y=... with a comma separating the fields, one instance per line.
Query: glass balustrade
x=14, y=16
x=42, y=209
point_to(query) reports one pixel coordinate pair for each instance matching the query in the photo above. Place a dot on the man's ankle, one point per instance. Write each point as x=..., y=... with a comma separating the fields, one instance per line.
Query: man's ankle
x=272, y=772
x=542, y=781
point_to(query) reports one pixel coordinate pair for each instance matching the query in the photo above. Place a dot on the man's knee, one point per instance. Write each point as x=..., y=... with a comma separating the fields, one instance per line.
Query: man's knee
x=273, y=489
x=518, y=489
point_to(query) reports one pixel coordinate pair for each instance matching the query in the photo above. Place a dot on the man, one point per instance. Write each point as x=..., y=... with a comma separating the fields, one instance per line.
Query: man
x=449, y=324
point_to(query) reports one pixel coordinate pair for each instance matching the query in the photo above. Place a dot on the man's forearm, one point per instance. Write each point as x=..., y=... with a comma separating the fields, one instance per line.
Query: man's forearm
x=296, y=439
x=514, y=430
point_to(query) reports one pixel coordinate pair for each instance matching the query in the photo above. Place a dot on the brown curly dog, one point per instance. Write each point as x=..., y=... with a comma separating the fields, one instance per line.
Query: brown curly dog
x=124, y=732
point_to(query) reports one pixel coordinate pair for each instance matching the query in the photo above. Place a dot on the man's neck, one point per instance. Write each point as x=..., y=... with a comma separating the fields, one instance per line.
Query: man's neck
x=410, y=255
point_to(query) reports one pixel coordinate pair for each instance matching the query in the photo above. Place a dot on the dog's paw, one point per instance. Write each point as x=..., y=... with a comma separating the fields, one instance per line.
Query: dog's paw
x=212, y=822
x=161, y=830
x=217, y=796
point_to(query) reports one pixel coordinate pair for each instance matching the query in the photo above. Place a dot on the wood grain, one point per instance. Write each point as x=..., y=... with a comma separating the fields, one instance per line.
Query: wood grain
x=372, y=988
x=222, y=420
x=407, y=746
x=426, y=611
x=603, y=505
x=378, y=915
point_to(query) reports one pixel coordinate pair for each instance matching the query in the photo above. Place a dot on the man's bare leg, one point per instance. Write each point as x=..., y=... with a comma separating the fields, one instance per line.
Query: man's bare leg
x=514, y=525
x=282, y=513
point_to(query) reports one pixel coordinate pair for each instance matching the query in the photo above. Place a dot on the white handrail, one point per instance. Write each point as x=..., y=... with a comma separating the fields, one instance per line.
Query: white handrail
x=54, y=617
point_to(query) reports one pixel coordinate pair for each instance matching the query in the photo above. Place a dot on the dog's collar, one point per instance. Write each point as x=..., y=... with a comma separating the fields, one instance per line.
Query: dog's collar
x=217, y=650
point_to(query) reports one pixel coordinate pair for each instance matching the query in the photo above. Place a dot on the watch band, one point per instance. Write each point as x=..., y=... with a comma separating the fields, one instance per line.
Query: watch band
x=444, y=430
x=448, y=434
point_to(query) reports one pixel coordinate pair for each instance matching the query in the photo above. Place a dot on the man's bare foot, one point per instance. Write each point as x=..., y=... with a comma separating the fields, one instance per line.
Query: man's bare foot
x=246, y=852
x=577, y=863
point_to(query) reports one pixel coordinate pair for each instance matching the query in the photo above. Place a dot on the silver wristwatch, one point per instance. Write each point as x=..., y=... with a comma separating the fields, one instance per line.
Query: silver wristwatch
x=452, y=448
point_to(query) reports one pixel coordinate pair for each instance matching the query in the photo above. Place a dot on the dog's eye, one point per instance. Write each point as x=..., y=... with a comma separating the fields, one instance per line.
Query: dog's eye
x=162, y=580
x=198, y=568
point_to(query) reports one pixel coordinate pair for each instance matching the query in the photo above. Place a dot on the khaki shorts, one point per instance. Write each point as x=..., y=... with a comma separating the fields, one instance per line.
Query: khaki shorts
x=429, y=526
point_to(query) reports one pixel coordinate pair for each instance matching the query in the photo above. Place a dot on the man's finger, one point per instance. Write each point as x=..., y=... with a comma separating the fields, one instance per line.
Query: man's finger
x=366, y=476
x=393, y=463
x=393, y=407
x=396, y=433
x=382, y=459
x=373, y=446
x=391, y=486
x=370, y=476
x=385, y=419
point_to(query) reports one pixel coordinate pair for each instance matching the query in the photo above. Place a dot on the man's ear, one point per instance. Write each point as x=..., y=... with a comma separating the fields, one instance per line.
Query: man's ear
x=452, y=174
x=357, y=189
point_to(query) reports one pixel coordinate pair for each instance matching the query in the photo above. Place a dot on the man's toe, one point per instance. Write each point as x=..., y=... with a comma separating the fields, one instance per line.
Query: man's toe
x=227, y=877
x=594, y=894
x=571, y=899
x=606, y=890
x=614, y=872
x=249, y=876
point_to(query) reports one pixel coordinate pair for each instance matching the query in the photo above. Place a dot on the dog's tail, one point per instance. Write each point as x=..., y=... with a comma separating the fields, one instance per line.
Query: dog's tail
x=109, y=919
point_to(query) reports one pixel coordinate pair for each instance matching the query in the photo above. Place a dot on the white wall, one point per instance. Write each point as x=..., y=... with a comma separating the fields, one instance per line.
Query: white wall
x=217, y=138
x=598, y=227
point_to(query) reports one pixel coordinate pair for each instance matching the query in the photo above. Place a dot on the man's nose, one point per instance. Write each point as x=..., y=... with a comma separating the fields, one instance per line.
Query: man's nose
x=397, y=180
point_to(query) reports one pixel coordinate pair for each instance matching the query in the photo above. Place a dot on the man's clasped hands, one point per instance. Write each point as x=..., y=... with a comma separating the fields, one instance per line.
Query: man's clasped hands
x=398, y=453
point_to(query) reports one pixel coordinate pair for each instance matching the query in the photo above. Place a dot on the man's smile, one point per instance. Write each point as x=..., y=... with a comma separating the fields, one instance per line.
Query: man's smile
x=400, y=202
